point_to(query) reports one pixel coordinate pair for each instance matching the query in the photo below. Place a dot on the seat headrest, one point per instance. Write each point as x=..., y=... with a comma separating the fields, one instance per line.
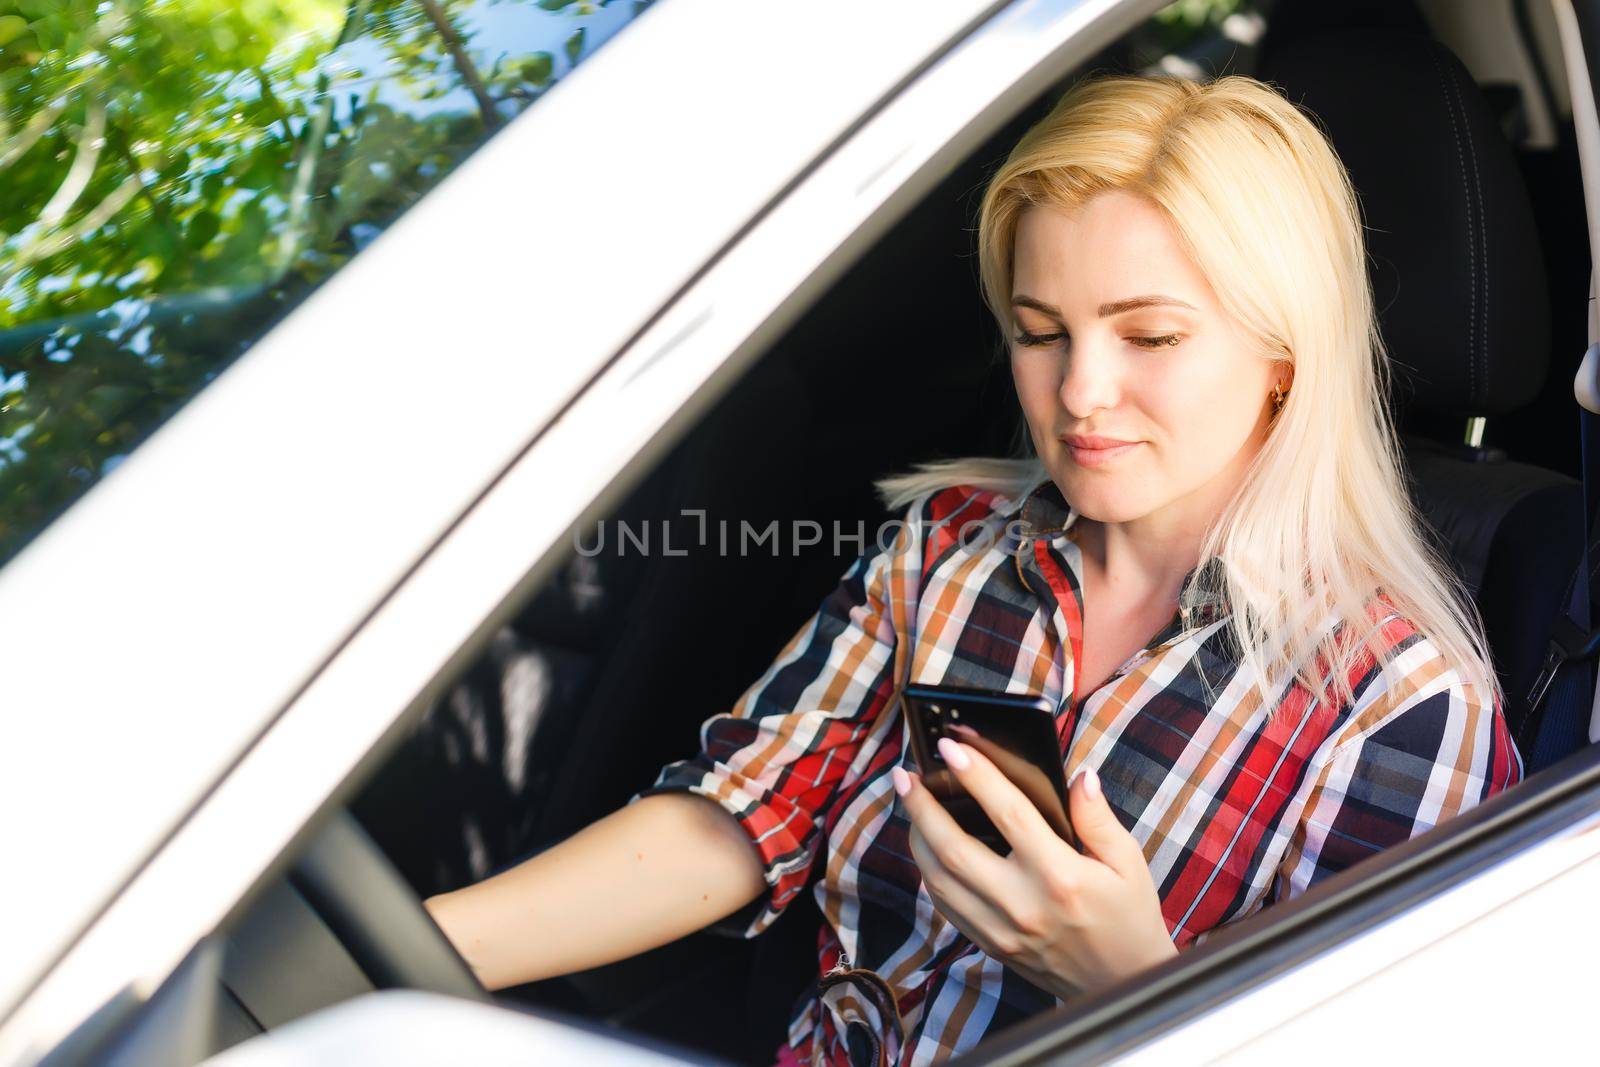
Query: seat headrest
x=1454, y=257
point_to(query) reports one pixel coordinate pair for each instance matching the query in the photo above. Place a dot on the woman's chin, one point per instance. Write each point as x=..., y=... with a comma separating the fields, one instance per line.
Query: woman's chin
x=1097, y=503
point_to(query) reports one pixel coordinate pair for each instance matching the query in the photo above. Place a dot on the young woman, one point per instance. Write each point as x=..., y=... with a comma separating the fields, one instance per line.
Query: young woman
x=1204, y=557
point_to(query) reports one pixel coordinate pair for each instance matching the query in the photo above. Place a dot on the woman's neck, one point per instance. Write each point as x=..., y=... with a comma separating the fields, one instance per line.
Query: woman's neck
x=1141, y=558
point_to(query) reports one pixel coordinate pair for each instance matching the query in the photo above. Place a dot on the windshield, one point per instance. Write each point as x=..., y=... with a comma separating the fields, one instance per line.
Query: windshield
x=178, y=175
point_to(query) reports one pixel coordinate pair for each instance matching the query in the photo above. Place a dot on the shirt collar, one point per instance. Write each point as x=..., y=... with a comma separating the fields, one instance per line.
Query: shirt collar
x=1045, y=513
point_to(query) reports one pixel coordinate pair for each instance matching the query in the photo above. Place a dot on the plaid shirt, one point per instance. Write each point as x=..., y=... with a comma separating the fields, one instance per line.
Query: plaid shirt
x=1234, y=811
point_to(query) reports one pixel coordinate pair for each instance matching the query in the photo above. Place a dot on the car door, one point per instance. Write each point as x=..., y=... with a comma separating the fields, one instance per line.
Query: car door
x=442, y=599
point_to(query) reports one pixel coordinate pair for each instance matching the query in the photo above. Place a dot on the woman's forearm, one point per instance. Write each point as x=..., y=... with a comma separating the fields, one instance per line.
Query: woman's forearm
x=651, y=872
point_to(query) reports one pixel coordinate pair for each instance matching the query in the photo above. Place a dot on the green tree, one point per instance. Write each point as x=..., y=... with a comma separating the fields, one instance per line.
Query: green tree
x=177, y=174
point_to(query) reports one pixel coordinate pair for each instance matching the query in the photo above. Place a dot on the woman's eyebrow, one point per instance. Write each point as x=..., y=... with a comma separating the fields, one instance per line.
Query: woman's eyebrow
x=1116, y=307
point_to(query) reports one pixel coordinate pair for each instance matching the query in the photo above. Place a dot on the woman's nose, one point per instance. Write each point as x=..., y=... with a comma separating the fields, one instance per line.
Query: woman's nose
x=1088, y=381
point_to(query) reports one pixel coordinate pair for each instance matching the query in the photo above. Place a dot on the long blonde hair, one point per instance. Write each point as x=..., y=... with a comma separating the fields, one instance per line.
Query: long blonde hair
x=1321, y=523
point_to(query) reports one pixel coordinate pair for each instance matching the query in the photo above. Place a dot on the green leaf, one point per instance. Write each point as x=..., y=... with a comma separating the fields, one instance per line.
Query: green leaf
x=202, y=228
x=175, y=168
x=575, y=46
x=556, y=5
x=536, y=68
x=11, y=27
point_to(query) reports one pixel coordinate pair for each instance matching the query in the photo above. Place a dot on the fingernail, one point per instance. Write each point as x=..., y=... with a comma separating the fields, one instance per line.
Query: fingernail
x=1091, y=784
x=953, y=755
x=901, y=780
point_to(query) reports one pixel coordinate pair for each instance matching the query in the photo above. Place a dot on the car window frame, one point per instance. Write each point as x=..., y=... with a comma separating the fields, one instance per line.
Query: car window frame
x=677, y=367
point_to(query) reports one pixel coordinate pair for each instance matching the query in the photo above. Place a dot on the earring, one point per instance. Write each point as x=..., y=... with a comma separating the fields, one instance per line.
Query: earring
x=1279, y=394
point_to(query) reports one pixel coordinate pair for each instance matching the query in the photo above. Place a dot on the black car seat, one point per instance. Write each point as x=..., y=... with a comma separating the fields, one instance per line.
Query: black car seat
x=1459, y=281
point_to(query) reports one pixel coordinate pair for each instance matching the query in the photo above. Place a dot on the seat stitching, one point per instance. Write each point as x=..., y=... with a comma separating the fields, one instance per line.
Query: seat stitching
x=1483, y=233
x=1472, y=263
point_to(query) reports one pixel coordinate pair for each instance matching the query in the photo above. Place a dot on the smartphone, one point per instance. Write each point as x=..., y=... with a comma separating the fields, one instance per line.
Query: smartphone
x=1017, y=731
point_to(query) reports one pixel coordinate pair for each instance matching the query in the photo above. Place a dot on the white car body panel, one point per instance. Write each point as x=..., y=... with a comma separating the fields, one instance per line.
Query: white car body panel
x=406, y=1028
x=1453, y=980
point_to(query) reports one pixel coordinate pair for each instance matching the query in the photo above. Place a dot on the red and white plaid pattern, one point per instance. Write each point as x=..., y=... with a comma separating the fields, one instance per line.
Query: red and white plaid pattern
x=1236, y=808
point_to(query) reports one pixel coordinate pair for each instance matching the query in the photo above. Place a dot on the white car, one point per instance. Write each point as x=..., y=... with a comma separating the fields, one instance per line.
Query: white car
x=328, y=334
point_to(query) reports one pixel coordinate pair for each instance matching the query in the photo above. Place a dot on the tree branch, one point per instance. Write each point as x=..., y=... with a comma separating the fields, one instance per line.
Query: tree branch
x=92, y=220
x=35, y=129
x=90, y=140
x=463, y=62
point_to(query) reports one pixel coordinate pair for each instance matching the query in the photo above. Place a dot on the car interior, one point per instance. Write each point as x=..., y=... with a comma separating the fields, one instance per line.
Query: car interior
x=1480, y=271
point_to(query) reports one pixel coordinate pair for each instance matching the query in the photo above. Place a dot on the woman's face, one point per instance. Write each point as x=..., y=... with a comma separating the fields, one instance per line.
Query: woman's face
x=1142, y=400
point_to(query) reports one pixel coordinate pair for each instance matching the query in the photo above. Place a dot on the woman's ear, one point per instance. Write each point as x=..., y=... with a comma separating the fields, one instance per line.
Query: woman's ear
x=1282, y=378
x=1281, y=374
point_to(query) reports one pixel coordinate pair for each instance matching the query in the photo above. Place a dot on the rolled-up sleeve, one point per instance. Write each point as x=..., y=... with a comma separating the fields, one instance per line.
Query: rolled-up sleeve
x=1423, y=755
x=800, y=732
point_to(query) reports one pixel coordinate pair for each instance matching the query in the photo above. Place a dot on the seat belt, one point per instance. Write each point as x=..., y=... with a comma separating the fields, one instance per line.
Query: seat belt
x=1568, y=720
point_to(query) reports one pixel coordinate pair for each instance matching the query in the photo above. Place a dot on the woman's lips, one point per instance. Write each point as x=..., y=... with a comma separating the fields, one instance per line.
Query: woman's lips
x=1088, y=450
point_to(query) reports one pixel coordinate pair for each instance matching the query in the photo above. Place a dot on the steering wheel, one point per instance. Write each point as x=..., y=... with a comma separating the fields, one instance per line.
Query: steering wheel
x=376, y=914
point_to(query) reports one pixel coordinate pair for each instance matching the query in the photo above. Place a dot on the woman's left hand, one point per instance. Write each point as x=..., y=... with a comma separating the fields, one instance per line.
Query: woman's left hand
x=1065, y=920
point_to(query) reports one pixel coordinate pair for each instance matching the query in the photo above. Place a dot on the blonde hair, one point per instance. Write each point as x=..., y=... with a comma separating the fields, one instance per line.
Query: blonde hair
x=1321, y=523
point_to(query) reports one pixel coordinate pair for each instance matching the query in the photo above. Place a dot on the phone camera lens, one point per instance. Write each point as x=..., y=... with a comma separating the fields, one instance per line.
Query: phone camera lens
x=935, y=709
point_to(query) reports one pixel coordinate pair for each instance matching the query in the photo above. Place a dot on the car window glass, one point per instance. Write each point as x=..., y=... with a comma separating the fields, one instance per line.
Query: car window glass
x=178, y=174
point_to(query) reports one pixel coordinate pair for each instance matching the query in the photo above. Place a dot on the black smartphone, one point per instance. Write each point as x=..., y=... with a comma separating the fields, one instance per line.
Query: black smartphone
x=1017, y=731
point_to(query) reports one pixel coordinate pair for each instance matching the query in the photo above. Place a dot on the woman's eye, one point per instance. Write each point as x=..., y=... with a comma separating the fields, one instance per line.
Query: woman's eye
x=1037, y=340
x=1030, y=340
